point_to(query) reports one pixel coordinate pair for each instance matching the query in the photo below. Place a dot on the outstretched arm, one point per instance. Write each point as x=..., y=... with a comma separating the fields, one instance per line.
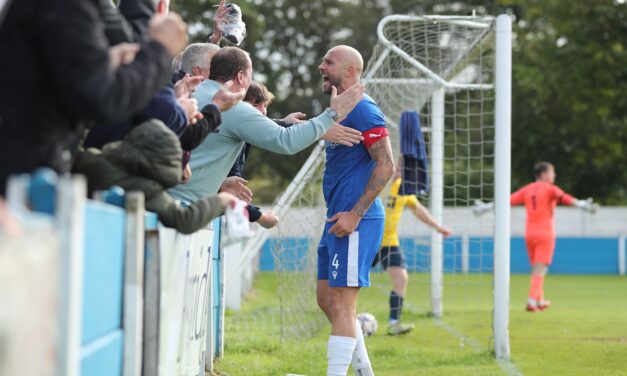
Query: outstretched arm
x=564, y=198
x=381, y=153
x=516, y=198
x=256, y=129
x=423, y=214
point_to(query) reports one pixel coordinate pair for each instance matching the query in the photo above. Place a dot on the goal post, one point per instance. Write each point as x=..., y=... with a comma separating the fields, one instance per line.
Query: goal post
x=502, y=183
x=437, y=199
x=455, y=72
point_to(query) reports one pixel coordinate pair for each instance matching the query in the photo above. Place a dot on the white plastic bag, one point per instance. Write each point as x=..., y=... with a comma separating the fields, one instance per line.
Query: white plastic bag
x=233, y=28
x=237, y=225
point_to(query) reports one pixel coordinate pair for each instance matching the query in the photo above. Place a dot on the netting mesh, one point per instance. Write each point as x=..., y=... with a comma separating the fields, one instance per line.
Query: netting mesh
x=460, y=54
x=295, y=255
x=427, y=53
x=293, y=244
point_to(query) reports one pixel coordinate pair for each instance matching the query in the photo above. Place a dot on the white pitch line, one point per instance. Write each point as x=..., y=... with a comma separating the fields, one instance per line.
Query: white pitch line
x=508, y=367
x=505, y=365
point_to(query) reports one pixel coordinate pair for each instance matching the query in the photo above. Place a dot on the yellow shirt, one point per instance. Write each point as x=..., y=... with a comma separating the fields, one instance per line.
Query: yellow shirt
x=393, y=212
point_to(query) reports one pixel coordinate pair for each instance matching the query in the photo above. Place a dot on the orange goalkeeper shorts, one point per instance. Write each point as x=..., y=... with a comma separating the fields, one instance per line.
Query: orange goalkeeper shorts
x=540, y=249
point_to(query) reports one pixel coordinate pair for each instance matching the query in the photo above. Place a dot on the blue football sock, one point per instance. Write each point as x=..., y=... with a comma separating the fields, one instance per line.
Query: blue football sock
x=396, y=306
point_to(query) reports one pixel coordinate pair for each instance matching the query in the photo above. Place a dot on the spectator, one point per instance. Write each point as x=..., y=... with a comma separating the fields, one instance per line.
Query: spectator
x=149, y=160
x=260, y=98
x=67, y=75
x=163, y=104
x=196, y=62
x=176, y=64
x=213, y=45
x=196, y=59
x=172, y=104
x=212, y=160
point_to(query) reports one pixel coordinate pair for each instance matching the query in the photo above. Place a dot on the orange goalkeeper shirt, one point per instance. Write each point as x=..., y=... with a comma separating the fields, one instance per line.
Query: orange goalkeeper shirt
x=540, y=199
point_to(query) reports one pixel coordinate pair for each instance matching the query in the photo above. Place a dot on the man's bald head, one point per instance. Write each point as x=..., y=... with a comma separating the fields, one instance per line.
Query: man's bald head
x=341, y=67
x=349, y=56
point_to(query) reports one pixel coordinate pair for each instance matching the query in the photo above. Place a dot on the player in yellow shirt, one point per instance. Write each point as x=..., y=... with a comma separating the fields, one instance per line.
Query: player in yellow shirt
x=391, y=257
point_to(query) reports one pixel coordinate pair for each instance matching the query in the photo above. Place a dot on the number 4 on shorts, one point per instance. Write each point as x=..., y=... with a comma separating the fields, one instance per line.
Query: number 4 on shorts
x=335, y=263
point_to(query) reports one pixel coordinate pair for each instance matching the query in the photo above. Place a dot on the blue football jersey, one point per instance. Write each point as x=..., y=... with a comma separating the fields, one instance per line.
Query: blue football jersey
x=348, y=169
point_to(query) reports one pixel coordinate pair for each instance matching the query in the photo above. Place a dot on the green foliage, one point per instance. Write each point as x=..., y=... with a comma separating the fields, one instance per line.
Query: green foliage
x=569, y=75
x=569, y=105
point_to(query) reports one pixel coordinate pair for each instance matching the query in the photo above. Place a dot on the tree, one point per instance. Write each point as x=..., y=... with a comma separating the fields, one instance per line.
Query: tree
x=569, y=78
x=569, y=105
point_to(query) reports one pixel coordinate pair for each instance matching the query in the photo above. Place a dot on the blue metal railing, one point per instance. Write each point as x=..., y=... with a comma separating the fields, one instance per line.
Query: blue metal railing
x=102, y=306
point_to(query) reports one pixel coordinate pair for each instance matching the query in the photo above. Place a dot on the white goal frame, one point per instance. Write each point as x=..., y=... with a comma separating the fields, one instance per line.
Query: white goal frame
x=502, y=166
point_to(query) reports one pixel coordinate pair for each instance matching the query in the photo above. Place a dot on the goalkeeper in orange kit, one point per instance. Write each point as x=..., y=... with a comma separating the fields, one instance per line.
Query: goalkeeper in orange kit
x=540, y=199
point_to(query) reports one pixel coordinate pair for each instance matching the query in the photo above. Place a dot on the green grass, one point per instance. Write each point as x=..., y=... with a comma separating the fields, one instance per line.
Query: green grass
x=583, y=333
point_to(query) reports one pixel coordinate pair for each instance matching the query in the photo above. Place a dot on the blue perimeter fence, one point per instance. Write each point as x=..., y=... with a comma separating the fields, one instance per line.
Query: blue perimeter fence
x=573, y=255
x=132, y=297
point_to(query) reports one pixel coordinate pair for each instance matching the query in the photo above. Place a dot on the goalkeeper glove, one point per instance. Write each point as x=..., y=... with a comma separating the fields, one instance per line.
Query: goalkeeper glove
x=481, y=207
x=587, y=205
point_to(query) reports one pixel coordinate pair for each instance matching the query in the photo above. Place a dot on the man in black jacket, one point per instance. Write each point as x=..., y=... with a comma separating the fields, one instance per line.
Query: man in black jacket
x=172, y=104
x=61, y=73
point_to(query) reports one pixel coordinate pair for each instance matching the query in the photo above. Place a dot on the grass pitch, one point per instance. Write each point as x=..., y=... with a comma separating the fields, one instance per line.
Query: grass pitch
x=583, y=333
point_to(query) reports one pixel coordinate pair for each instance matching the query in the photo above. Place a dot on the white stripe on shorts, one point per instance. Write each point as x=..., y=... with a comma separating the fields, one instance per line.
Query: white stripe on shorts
x=352, y=267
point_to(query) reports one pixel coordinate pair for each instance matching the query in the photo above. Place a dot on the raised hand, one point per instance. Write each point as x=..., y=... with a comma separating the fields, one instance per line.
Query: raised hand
x=170, y=31
x=185, y=87
x=339, y=134
x=218, y=18
x=190, y=105
x=480, y=207
x=237, y=186
x=345, y=102
x=123, y=53
x=225, y=98
x=444, y=231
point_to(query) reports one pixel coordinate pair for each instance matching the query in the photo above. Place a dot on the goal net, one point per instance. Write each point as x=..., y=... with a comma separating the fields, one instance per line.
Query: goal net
x=443, y=69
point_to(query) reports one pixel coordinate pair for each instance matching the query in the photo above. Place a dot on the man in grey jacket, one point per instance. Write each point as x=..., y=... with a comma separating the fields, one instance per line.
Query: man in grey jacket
x=212, y=160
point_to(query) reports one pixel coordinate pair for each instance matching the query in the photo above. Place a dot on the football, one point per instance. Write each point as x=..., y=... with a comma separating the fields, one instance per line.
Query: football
x=368, y=323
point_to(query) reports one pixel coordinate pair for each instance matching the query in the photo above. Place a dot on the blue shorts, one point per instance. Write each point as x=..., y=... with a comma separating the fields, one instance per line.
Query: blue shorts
x=346, y=262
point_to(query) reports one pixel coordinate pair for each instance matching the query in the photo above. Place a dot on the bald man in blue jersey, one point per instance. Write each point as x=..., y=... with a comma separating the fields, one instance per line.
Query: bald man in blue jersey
x=353, y=178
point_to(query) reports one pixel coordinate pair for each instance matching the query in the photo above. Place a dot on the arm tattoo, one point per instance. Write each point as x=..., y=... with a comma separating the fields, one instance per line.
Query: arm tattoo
x=381, y=152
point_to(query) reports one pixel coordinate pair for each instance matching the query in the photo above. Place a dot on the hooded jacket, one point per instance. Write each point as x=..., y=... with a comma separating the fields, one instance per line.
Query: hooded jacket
x=148, y=159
